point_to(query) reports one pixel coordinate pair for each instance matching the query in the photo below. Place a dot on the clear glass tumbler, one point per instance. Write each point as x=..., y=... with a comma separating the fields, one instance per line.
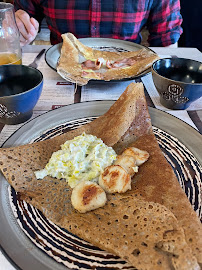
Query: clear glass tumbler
x=10, y=51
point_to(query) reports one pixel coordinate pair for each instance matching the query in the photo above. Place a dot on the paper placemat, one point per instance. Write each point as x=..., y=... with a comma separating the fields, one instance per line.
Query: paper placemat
x=103, y=90
x=5, y=264
x=184, y=116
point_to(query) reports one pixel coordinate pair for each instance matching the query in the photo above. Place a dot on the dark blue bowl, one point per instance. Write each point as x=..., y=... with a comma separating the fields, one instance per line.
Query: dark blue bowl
x=178, y=81
x=20, y=89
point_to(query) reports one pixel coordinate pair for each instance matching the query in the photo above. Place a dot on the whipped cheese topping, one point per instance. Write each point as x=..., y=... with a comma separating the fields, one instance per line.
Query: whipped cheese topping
x=80, y=159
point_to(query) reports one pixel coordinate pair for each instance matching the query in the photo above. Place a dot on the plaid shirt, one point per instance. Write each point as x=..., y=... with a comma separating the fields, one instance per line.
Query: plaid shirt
x=120, y=19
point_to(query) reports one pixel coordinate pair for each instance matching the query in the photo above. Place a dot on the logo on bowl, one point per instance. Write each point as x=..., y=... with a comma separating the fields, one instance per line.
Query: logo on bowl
x=5, y=113
x=175, y=94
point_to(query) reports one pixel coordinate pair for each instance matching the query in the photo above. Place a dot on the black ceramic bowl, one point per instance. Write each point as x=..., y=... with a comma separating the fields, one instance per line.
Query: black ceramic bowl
x=178, y=81
x=20, y=89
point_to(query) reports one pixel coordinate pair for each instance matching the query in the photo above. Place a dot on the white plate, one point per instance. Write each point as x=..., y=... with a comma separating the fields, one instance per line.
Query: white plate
x=53, y=53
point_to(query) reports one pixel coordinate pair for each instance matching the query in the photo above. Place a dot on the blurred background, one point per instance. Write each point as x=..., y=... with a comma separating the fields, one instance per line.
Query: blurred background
x=192, y=26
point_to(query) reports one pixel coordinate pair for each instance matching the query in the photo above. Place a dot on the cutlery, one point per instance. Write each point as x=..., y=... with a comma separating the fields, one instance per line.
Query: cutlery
x=35, y=63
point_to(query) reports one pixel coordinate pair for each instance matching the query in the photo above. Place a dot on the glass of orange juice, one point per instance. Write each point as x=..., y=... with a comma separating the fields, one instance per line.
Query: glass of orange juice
x=10, y=51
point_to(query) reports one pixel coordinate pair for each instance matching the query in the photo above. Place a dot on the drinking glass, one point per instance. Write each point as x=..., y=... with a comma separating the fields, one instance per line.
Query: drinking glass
x=10, y=51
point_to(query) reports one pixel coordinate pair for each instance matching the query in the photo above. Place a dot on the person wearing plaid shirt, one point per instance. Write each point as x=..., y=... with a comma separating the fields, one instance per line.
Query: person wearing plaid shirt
x=119, y=19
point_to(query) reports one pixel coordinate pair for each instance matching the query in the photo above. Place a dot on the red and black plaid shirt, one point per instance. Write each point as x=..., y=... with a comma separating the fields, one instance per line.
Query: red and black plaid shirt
x=120, y=19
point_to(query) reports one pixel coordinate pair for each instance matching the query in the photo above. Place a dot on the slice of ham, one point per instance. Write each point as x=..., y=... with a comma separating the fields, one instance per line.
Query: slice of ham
x=126, y=62
x=94, y=65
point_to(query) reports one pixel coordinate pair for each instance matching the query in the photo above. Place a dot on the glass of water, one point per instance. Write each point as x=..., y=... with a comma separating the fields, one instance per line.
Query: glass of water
x=10, y=51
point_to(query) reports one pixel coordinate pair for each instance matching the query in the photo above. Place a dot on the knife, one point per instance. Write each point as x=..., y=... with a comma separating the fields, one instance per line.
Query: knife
x=34, y=64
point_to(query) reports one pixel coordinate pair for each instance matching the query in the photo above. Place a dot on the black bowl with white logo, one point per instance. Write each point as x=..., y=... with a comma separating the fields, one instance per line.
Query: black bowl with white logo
x=178, y=81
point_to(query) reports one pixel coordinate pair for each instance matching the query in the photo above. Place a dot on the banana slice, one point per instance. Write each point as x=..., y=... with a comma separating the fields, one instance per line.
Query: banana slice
x=140, y=155
x=115, y=179
x=128, y=163
x=87, y=196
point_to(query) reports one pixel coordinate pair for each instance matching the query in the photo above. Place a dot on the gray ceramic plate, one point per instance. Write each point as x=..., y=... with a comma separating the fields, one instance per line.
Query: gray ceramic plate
x=32, y=242
x=108, y=44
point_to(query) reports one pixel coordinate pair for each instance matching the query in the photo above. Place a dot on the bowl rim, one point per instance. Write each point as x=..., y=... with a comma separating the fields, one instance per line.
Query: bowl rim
x=153, y=70
x=31, y=89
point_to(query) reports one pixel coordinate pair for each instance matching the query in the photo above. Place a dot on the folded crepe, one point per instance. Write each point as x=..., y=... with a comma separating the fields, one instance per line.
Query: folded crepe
x=146, y=226
x=74, y=53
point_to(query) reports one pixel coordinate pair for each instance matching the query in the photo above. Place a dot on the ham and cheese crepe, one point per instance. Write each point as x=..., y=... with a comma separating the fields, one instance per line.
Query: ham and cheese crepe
x=152, y=226
x=79, y=63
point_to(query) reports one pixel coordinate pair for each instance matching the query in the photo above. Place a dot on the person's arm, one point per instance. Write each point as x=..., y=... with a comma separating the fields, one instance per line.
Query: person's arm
x=164, y=23
x=27, y=21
